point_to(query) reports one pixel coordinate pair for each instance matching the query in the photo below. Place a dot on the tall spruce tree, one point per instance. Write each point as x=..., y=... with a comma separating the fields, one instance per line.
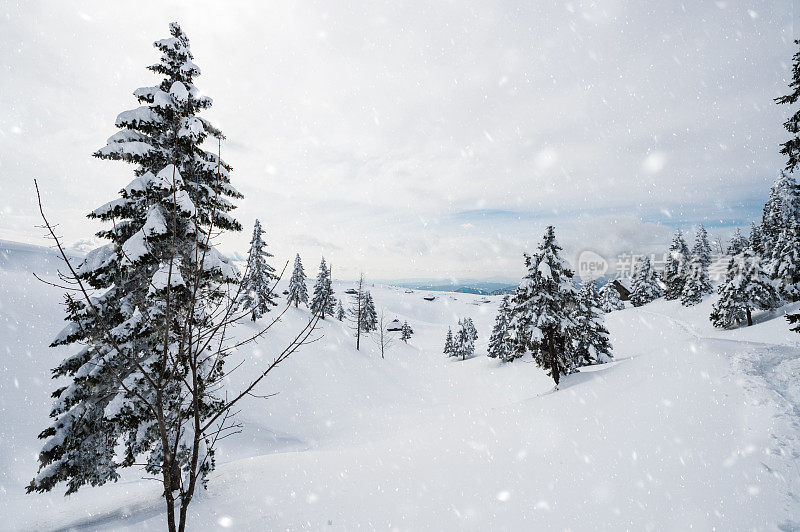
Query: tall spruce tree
x=782, y=206
x=590, y=337
x=449, y=344
x=541, y=310
x=340, y=314
x=754, y=243
x=746, y=287
x=701, y=248
x=609, y=298
x=737, y=244
x=323, y=303
x=791, y=148
x=257, y=291
x=298, y=291
x=645, y=287
x=697, y=282
x=370, y=317
x=676, y=268
x=464, y=341
x=785, y=265
x=405, y=332
x=124, y=398
x=357, y=311
x=500, y=345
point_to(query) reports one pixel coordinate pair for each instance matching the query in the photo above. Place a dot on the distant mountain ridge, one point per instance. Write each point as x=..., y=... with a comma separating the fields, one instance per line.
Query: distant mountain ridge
x=484, y=288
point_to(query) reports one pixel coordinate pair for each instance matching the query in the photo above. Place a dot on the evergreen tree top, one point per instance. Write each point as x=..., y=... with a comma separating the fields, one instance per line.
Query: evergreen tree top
x=165, y=130
x=702, y=248
x=546, y=266
x=679, y=244
x=791, y=148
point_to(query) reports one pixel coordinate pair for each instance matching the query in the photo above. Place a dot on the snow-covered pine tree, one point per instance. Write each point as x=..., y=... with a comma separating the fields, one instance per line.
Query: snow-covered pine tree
x=257, y=290
x=785, y=265
x=782, y=206
x=590, y=337
x=791, y=148
x=675, y=270
x=737, y=244
x=746, y=287
x=464, y=342
x=158, y=276
x=754, y=243
x=609, y=298
x=323, y=302
x=370, y=317
x=701, y=248
x=298, y=291
x=406, y=331
x=358, y=310
x=500, y=345
x=645, y=288
x=340, y=314
x=449, y=344
x=541, y=309
x=697, y=284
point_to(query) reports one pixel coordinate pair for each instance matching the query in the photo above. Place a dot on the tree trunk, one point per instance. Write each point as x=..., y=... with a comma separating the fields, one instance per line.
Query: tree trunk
x=749, y=316
x=551, y=355
x=170, y=499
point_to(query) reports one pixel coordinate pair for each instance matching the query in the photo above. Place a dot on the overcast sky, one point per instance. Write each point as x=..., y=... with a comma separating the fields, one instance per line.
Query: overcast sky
x=417, y=139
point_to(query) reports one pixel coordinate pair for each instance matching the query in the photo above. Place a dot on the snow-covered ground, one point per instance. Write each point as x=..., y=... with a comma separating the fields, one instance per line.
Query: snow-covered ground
x=691, y=427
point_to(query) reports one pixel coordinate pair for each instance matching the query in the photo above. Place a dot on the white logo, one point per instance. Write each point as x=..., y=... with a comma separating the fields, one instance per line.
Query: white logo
x=591, y=266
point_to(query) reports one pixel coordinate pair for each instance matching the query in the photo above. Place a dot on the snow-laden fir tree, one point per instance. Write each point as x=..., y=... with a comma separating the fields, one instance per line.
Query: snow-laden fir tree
x=323, y=303
x=644, y=286
x=542, y=307
x=676, y=267
x=464, y=341
x=754, y=243
x=702, y=249
x=590, y=336
x=609, y=298
x=370, y=315
x=357, y=311
x=791, y=148
x=782, y=206
x=697, y=283
x=124, y=398
x=785, y=265
x=746, y=287
x=298, y=291
x=500, y=345
x=340, y=314
x=449, y=344
x=405, y=332
x=737, y=244
x=257, y=291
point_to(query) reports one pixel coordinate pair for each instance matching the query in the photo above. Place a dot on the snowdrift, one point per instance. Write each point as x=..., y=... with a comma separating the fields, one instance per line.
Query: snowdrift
x=689, y=427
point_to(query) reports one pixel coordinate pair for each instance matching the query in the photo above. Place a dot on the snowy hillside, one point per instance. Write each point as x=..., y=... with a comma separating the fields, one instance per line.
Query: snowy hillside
x=690, y=427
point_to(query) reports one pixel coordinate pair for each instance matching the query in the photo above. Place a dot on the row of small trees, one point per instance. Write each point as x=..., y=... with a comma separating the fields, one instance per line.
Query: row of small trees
x=462, y=344
x=762, y=271
x=362, y=313
x=766, y=270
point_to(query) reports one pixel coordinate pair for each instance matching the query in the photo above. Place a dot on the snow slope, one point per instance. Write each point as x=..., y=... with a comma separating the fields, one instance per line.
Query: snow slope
x=690, y=427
